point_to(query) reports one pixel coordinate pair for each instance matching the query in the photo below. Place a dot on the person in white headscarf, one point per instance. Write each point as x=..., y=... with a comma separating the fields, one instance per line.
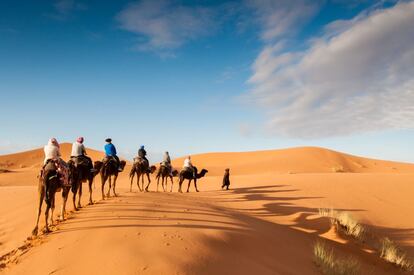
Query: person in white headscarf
x=52, y=150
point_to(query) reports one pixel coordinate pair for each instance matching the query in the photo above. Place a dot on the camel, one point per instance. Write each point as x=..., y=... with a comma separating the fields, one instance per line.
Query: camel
x=164, y=174
x=109, y=170
x=80, y=174
x=49, y=184
x=141, y=168
x=186, y=174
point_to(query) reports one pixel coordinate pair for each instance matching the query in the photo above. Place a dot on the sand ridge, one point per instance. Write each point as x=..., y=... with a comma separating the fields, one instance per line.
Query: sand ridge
x=267, y=224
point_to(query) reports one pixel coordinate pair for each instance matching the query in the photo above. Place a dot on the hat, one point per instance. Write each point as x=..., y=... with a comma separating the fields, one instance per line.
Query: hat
x=54, y=142
x=108, y=140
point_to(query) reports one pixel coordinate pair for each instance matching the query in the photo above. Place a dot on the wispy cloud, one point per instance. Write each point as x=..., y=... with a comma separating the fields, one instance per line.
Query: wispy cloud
x=162, y=25
x=64, y=8
x=281, y=18
x=358, y=78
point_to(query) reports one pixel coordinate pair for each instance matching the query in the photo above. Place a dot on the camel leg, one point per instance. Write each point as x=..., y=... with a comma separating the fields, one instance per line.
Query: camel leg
x=188, y=188
x=114, y=185
x=80, y=194
x=149, y=181
x=39, y=210
x=132, y=181
x=139, y=183
x=195, y=184
x=46, y=230
x=110, y=185
x=65, y=194
x=164, y=186
x=90, y=191
x=142, y=181
x=103, y=180
x=139, y=186
x=172, y=183
x=158, y=183
x=180, y=183
x=52, y=208
x=74, y=196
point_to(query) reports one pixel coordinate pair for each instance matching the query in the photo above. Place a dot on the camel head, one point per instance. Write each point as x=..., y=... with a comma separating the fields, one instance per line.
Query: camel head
x=98, y=166
x=202, y=173
x=175, y=172
x=122, y=164
x=153, y=168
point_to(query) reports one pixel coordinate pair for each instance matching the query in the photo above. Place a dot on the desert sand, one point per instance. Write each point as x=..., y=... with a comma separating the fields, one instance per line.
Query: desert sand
x=266, y=224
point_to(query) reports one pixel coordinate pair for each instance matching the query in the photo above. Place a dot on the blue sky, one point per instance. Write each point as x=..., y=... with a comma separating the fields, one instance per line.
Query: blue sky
x=202, y=76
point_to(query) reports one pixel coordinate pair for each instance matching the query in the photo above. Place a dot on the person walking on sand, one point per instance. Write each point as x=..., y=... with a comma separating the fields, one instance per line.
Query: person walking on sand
x=226, y=179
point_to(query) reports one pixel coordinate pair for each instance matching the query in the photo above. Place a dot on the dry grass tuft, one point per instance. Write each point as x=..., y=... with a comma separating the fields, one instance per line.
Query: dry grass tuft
x=330, y=265
x=338, y=169
x=393, y=254
x=345, y=222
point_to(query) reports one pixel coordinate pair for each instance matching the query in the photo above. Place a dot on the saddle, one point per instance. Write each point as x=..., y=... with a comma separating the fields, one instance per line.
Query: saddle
x=60, y=169
x=80, y=161
x=108, y=159
x=141, y=160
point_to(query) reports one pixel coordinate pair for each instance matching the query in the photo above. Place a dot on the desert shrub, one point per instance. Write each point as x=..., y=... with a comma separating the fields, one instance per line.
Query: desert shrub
x=344, y=222
x=338, y=169
x=393, y=254
x=330, y=265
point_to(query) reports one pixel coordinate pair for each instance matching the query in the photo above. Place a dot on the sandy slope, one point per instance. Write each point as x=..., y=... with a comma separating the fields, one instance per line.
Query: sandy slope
x=294, y=160
x=266, y=225
x=34, y=158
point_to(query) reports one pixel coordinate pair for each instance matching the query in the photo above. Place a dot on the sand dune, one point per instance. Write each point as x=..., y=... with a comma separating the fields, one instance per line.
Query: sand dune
x=294, y=160
x=34, y=158
x=267, y=223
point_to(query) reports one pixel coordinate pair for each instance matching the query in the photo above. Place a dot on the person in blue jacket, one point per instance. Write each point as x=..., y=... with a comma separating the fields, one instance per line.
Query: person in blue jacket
x=110, y=151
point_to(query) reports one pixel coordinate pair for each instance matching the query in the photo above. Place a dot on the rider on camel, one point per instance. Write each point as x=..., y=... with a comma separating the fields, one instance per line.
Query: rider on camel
x=52, y=153
x=110, y=152
x=142, y=154
x=166, y=161
x=189, y=166
x=79, y=153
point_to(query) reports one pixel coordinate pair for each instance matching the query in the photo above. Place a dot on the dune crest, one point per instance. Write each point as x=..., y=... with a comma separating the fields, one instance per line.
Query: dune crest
x=292, y=161
x=34, y=158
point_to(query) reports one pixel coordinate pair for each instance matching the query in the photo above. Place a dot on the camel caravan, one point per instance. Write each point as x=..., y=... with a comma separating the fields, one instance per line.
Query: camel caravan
x=57, y=175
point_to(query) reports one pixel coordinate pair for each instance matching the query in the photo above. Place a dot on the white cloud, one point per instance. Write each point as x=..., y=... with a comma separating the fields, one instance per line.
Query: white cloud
x=164, y=25
x=281, y=17
x=359, y=78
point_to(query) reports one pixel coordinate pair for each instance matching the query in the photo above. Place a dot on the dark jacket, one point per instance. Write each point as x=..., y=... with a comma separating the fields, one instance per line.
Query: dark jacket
x=142, y=153
x=226, y=178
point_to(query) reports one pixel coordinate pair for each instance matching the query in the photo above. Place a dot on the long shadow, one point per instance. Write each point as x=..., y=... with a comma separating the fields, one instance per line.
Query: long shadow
x=267, y=247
